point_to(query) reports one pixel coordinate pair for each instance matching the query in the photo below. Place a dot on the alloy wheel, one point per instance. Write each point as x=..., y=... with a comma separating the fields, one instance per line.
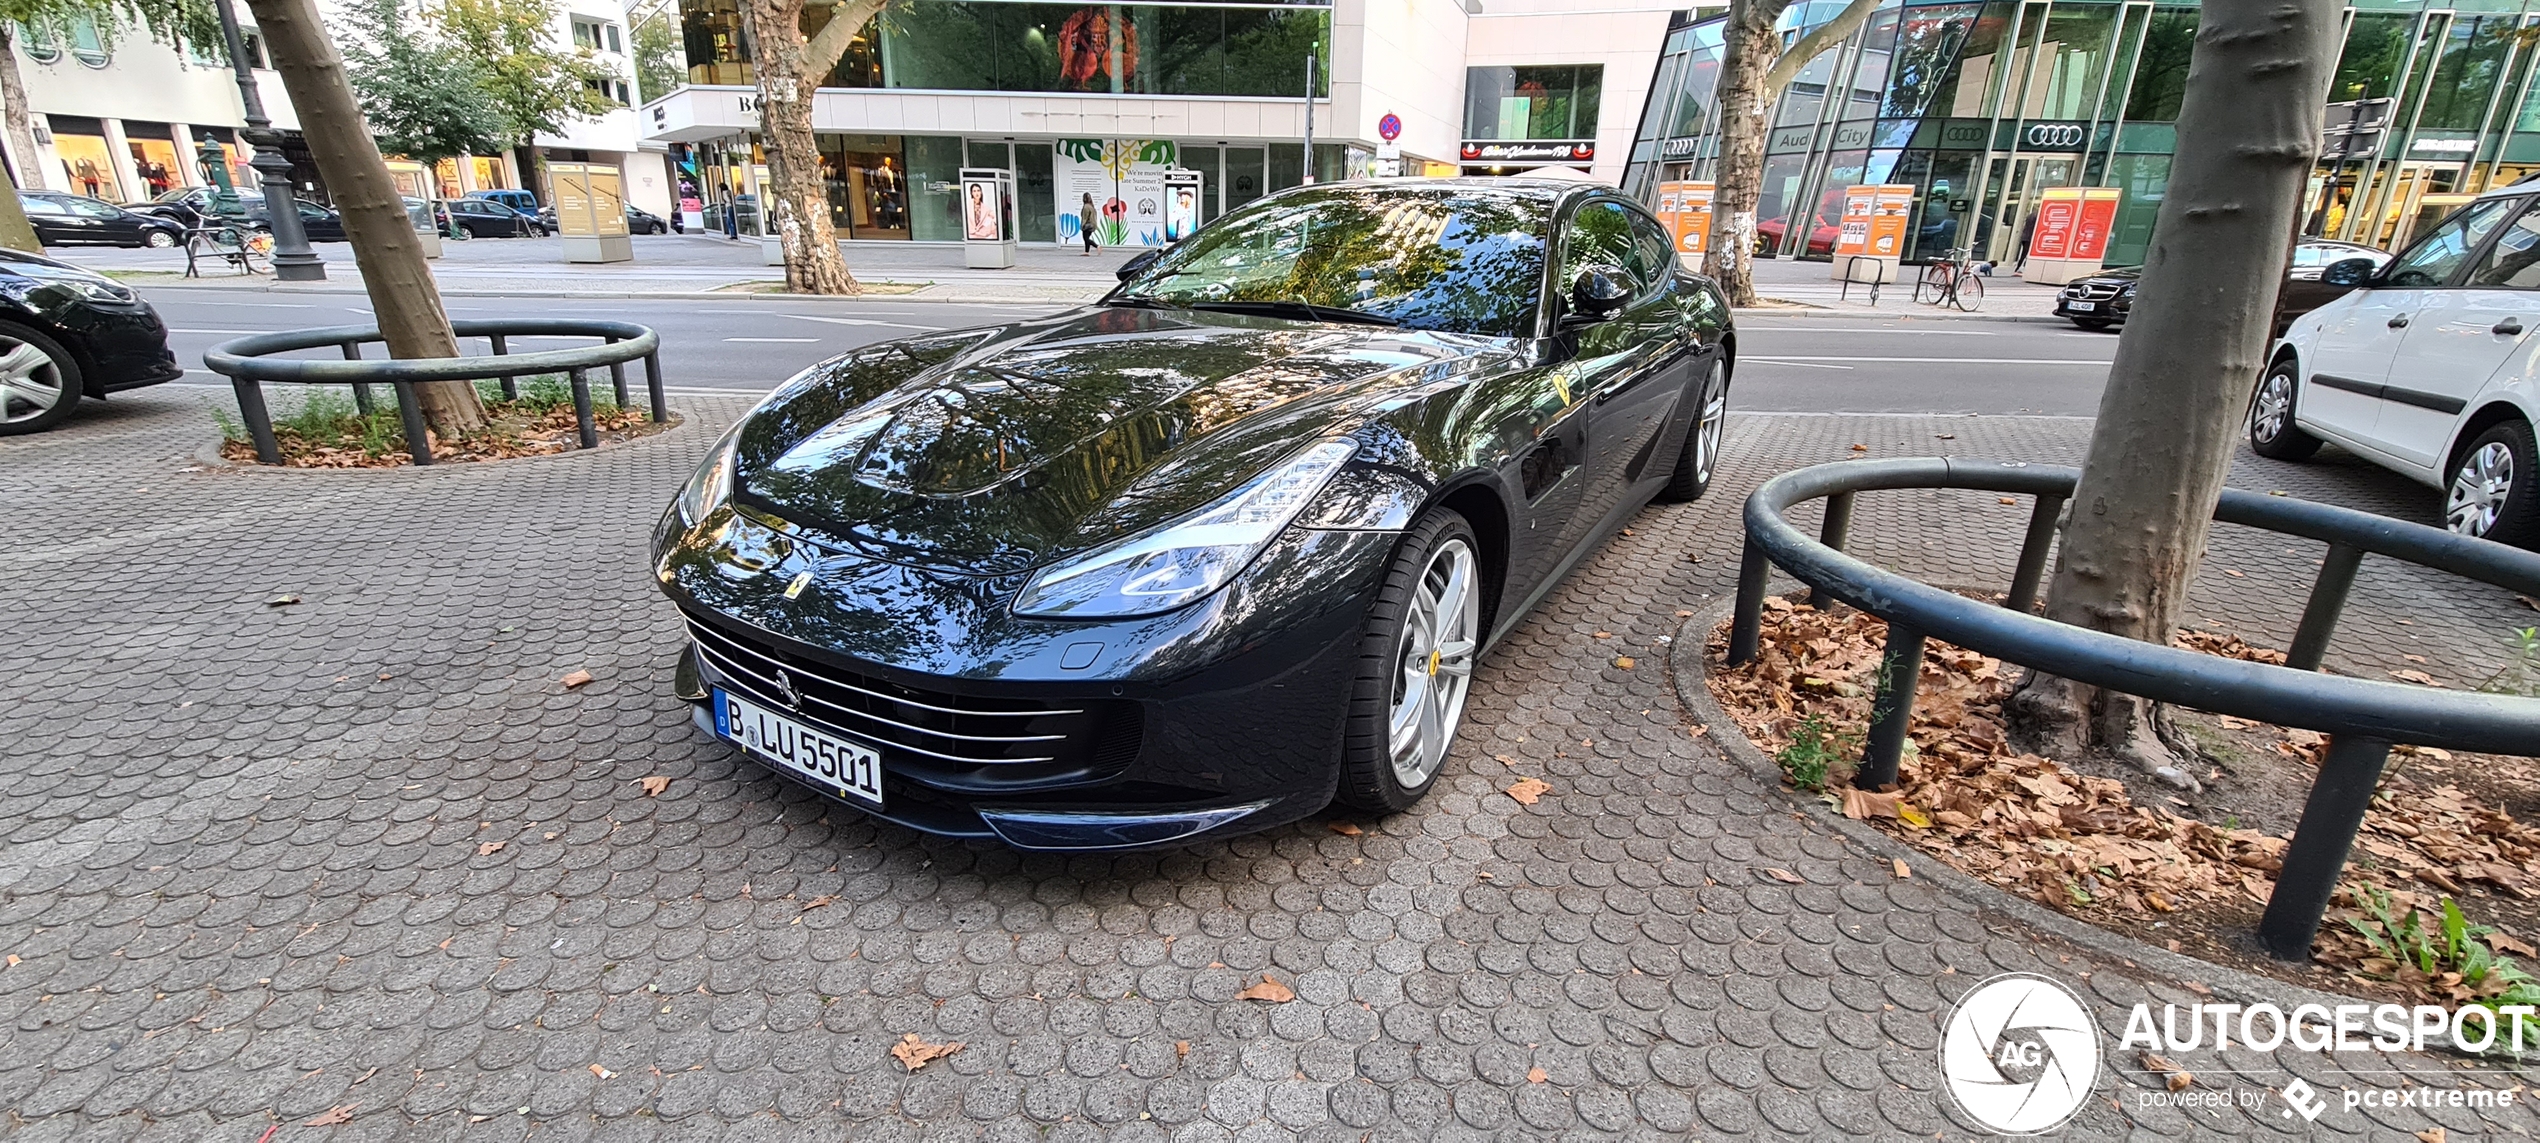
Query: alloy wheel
x=2275, y=404
x=30, y=382
x=1707, y=432
x=1435, y=664
x=2479, y=490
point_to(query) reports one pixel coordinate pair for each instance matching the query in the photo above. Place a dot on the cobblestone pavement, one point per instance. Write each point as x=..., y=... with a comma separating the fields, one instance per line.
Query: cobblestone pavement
x=259, y=861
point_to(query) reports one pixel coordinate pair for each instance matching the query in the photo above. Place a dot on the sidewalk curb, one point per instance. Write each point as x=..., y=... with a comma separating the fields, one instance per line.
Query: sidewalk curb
x=1688, y=665
x=1814, y=310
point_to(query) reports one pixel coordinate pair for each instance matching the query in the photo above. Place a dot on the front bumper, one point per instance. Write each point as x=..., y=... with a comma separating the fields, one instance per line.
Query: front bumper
x=1226, y=716
x=126, y=346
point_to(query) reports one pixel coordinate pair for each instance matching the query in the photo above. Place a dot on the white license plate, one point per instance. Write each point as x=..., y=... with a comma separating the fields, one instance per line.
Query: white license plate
x=2082, y=307
x=825, y=756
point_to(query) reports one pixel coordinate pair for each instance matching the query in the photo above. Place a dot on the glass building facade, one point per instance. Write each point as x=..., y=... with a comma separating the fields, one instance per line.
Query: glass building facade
x=1982, y=106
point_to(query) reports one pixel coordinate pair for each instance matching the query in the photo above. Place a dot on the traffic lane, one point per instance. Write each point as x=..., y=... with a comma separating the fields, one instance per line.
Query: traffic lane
x=1918, y=365
x=737, y=344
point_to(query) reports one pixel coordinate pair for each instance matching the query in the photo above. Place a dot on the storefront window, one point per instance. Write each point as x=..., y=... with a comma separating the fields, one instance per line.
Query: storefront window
x=1962, y=94
x=2376, y=47
x=1143, y=49
x=710, y=30
x=2145, y=179
x=90, y=167
x=868, y=185
x=2071, y=61
x=1927, y=43
x=2160, y=74
x=1557, y=102
x=2473, y=60
x=154, y=158
x=934, y=184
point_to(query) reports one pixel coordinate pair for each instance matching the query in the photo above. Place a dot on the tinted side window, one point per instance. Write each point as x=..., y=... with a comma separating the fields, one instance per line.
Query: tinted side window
x=2513, y=263
x=2432, y=260
x=43, y=206
x=1600, y=237
x=1657, y=247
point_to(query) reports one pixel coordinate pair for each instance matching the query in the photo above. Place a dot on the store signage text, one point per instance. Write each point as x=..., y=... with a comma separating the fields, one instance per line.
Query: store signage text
x=1481, y=150
x=2054, y=136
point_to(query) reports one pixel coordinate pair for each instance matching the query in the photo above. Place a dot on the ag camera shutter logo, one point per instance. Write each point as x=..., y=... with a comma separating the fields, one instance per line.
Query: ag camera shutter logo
x=2020, y=1054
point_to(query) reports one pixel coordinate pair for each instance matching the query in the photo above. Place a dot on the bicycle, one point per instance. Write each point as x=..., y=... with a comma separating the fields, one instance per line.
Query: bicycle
x=1950, y=280
x=248, y=247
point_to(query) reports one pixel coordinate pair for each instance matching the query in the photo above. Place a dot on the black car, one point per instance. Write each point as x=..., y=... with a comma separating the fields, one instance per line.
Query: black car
x=638, y=220
x=1213, y=552
x=202, y=206
x=66, y=333
x=78, y=220
x=486, y=218
x=2105, y=298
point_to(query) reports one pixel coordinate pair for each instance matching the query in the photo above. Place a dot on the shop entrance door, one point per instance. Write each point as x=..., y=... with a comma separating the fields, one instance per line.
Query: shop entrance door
x=2011, y=196
x=1247, y=171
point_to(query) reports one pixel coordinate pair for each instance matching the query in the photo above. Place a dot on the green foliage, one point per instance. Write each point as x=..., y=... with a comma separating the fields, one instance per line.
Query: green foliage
x=661, y=60
x=169, y=21
x=230, y=428
x=1815, y=752
x=2449, y=945
x=2521, y=673
x=537, y=88
x=425, y=98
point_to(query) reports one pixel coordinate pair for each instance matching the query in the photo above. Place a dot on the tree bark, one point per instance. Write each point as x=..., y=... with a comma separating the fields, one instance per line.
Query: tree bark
x=16, y=233
x=402, y=291
x=2171, y=415
x=21, y=123
x=798, y=213
x=1746, y=60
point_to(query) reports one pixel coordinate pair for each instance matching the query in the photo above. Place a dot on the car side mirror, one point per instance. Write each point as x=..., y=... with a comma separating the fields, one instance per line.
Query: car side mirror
x=1138, y=264
x=1595, y=296
x=2347, y=272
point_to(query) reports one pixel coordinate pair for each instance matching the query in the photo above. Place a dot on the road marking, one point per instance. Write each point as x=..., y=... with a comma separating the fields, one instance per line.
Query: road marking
x=1793, y=364
x=173, y=329
x=1936, y=360
x=1874, y=329
x=854, y=321
x=246, y=305
x=780, y=340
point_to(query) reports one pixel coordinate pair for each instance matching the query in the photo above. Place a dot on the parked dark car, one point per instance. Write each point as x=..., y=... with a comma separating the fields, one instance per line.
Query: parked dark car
x=638, y=220
x=196, y=207
x=486, y=218
x=519, y=200
x=1208, y=554
x=66, y=333
x=78, y=220
x=2105, y=298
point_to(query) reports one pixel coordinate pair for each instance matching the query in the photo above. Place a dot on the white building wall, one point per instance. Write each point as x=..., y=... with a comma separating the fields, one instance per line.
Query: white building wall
x=1406, y=59
x=142, y=79
x=1624, y=35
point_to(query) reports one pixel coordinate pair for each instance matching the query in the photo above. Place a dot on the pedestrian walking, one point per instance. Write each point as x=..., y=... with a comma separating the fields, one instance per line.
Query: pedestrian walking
x=1085, y=224
x=2028, y=230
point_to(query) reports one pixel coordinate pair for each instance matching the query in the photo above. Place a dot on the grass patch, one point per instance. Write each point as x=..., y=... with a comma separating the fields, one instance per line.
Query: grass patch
x=327, y=429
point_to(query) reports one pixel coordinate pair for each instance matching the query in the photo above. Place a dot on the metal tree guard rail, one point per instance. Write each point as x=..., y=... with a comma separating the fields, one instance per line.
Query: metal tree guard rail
x=248, y=363
x=2362, y=718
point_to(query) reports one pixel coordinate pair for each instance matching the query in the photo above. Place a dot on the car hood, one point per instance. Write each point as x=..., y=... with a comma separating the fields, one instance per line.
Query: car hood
x=2120, y=274
x=990, y=452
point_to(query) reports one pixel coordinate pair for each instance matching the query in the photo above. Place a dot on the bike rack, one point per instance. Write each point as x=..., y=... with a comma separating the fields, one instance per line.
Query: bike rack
x=2363, y=718
x=248, y=363
x=1853, y=262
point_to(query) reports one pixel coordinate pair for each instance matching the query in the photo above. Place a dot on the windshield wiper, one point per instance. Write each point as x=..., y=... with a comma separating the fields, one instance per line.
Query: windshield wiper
x=1142, y=302
x=1297, y=311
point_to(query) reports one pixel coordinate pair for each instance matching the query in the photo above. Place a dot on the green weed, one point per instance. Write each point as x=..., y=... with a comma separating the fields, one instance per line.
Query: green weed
x=2521, y=673
x=2449, y=945
x=1816, y=752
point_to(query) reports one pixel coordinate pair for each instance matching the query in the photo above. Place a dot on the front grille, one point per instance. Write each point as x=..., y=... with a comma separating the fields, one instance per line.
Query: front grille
x=936, y=736
x=2092, y=291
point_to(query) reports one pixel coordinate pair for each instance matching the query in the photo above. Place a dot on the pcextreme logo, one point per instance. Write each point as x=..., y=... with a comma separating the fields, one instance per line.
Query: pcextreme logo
x=2020, y=1054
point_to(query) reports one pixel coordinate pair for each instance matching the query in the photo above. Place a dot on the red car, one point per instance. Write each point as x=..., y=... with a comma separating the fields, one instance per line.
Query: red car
x=1768, y=237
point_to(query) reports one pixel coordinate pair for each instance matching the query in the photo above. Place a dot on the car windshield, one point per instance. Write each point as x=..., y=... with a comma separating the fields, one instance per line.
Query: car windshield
x=1464, y=261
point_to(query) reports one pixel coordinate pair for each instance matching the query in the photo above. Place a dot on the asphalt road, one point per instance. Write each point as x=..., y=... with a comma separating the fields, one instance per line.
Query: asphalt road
x=1798, y=362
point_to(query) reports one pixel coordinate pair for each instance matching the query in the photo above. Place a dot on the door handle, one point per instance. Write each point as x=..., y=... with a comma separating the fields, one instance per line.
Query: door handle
x=2399, y=322
x=2508, y=327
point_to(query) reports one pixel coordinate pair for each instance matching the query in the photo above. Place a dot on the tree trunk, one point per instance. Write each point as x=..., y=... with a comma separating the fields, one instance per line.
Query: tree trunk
x=21, y=123
x=2192, y=349
x=798, y=212
x=16, y=233
x=1746, y=60
x=402, y=292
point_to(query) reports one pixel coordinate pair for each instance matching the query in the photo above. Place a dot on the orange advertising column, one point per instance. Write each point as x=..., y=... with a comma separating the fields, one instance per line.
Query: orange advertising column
x=1872, y=237
x=1686, y=209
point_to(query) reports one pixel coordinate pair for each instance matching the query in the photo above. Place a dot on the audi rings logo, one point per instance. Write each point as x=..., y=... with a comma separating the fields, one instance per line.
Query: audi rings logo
x=2020, y=1053
x=2054, y=134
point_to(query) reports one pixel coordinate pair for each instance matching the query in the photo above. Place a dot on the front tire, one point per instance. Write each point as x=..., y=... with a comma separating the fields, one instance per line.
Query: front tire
x=2492, y=494
x=2272, y=432
x=39, y=381
x=158, y=240
x=1700, y=456
x=1415, y=666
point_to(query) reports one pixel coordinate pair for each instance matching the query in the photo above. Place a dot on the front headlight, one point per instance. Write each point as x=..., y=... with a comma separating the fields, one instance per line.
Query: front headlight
x=1175, y=564
x=711, y=485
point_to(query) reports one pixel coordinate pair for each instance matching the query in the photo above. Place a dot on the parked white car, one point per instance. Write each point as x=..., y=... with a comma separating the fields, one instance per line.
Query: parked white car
x=2428, y=368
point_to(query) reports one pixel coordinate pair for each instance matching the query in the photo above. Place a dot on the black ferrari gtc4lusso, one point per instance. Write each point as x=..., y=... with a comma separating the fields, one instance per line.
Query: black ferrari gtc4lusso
x=1213, y=552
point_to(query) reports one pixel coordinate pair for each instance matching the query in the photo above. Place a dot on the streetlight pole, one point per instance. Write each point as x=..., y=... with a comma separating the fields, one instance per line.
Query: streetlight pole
x=1309, y=115
x=293, y=261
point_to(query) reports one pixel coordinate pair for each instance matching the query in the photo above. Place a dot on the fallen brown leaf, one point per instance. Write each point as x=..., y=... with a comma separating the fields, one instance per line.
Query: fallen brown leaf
x=1269, y=989
x=1623, y=661
x=340, y=1113
x=1859, y=803
x=1860, y=448
x=654, y=785
x=1528, y=789
x=2008, y=500
x=1346, y=829
x=1784, y=876
x=1536, y=1074
x=1903, y=870
x=1181, y=1049
x=1601, y=635
x=576, y=679
x=2180, y=1080
x=487, y=848
x=2430, y=1135
x=820, y=902
x=2420, y=678
x=915, y=1053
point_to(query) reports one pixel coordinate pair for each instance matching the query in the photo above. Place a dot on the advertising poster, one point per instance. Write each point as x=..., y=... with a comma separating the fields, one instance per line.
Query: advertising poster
x=1125, y=177
x=1181, y=204
x=981, y=210
x=1686, y=209
x=1874, y=218
x=2098, y=217
x=2058, y=215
